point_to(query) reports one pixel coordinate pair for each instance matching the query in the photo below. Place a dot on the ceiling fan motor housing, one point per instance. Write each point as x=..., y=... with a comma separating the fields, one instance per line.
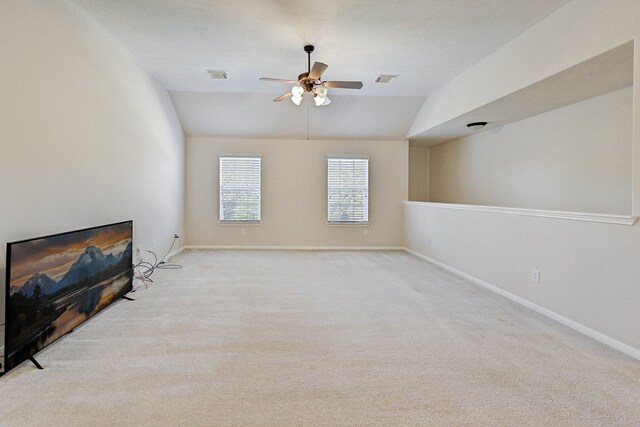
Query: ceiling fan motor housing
x=306, y=82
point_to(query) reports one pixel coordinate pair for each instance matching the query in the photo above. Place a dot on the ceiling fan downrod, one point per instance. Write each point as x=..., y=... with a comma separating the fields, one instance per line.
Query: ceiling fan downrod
x=309, y=48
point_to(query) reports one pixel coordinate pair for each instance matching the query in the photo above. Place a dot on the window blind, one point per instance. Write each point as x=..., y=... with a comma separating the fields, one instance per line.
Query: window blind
x=240, y=188
x=348, y=190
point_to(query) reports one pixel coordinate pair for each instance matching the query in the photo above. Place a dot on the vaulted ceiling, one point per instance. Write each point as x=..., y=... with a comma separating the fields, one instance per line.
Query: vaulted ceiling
x=425, y=42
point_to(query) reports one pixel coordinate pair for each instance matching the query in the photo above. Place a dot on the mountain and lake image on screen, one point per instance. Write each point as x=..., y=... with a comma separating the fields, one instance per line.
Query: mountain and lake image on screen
x=56, y=283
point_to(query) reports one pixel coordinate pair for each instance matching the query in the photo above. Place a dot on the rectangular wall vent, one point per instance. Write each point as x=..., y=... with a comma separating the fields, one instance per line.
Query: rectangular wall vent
x=386, y=78
x=217, y=74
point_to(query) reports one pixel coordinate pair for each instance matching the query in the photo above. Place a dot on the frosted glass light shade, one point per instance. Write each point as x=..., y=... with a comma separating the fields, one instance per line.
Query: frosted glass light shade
x=321, y=91
x=297, y=91
x=320, y=96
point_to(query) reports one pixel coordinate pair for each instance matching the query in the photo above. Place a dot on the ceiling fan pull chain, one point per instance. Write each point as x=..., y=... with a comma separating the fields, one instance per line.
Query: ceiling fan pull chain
x=308, y=121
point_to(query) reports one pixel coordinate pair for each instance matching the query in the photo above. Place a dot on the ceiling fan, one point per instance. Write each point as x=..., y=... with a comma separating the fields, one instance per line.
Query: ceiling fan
x=311, y=82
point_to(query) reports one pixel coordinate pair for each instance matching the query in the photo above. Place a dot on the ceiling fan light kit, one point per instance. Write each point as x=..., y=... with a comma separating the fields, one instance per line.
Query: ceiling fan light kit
x=296, y=94
x=320, y=96
x=311, y=82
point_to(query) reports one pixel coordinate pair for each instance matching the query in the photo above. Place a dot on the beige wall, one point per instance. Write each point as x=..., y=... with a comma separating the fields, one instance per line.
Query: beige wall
x=418, y=173
x=294, y=192
x=88, y=137
x=576, y=158
x=636, y=128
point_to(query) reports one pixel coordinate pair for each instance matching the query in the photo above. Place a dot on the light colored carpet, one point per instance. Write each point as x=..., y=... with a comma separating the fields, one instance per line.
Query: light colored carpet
x=320, y=338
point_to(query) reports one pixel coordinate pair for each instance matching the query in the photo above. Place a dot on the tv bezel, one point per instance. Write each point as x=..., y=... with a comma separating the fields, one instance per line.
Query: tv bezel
x=8, y=288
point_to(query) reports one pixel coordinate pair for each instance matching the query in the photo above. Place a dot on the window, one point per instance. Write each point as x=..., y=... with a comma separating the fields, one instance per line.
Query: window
x=240, y=188
x=348, y=190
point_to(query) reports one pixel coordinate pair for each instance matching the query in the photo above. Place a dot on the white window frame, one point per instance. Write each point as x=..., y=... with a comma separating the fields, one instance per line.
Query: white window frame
x=222, y=220
x=366, y=221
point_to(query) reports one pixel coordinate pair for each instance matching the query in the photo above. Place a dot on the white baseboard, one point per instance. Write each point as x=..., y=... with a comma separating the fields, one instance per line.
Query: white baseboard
x=296, y=248
x=598, y=336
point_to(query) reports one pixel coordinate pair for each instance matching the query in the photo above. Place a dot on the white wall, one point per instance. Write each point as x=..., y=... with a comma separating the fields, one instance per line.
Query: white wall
x=88, y=137
x=575, y=33
x=576, y=158
x=579, y=31
x=294, y=191
x=589, y=271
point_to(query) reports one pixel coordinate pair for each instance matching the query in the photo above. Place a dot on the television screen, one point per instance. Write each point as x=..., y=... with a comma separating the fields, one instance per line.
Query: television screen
x=55, y=283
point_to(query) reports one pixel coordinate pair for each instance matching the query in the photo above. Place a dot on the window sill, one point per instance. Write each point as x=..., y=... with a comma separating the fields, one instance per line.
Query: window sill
x=240, y=223
x=350, y=224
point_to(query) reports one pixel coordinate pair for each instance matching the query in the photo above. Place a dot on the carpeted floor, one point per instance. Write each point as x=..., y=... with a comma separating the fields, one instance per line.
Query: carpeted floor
x=320, y=338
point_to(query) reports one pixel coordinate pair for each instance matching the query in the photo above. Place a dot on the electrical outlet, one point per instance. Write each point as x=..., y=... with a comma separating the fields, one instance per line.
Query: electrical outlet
x=138, y=258
x=154, y=244
x=243, y=232
x=535, y=276
x=365, y=233
x=175, y=236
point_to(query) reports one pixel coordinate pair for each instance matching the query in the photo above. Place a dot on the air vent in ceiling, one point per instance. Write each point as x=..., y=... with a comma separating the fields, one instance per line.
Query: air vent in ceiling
x=386, y=78
x=217, y=74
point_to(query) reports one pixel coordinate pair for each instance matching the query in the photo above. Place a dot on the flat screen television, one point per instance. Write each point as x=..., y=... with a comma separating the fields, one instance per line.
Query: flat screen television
x=55, y=283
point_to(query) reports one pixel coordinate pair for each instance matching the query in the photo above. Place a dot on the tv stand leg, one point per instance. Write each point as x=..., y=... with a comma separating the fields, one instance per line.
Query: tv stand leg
x=127, y=298
x=35, y=362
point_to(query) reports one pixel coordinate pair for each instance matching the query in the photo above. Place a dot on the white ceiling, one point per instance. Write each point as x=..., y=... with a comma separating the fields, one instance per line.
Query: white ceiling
x=426, y=42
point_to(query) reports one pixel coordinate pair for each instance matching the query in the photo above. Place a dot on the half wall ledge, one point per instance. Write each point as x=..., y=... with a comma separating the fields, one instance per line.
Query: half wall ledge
x=572, y=216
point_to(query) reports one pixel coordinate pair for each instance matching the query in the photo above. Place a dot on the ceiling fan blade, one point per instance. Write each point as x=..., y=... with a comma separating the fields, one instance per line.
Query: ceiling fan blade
x=343, y=84
x=269, y=79
x=283, y=96
x=317, y=70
